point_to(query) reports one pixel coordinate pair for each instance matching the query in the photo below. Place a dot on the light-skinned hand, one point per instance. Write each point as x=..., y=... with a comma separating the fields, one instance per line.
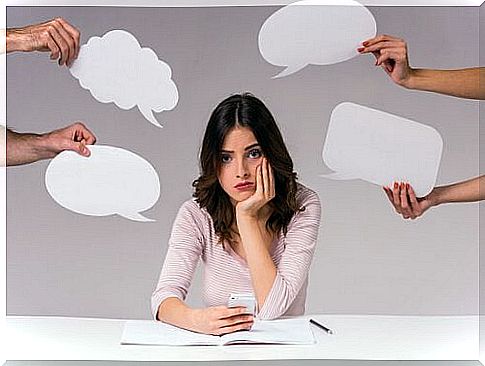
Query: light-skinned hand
x=265, y=192
x=219, y=320
x=405, y=202
x=56, y=36
x=391, y=54
x=74, y=137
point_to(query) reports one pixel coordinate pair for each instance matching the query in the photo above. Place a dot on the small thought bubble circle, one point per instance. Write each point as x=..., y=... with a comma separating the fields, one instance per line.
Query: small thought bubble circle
x=318, y=32
x=115, y=68
x=110, y=181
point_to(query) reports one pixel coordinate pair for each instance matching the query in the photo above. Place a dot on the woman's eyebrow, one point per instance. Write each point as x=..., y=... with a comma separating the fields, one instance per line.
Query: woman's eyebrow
x=245, y=149
x=251, y=146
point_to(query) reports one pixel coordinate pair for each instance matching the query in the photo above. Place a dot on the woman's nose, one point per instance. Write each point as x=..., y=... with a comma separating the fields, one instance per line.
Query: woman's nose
x=242, y=170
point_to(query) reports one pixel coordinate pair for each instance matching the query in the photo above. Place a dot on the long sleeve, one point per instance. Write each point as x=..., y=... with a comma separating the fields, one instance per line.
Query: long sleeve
x=292, y=271
x=184, y=251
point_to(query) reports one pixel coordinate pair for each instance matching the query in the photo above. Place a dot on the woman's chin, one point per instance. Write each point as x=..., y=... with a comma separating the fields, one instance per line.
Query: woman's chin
x=241, y=196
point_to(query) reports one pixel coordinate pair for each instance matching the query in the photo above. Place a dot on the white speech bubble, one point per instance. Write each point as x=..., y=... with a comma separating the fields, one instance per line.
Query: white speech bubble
x=319, y=32
x=111, y=181
x=115, y=68
x=381, y=148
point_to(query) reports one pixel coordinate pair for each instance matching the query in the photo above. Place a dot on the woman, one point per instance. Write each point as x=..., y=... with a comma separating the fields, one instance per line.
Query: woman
x=252, y=225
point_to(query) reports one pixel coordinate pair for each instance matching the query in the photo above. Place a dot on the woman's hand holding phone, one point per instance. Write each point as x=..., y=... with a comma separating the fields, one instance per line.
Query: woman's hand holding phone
x=219, y=320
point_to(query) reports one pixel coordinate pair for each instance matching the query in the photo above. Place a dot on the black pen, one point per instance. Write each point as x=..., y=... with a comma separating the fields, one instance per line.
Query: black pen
x=324, y=328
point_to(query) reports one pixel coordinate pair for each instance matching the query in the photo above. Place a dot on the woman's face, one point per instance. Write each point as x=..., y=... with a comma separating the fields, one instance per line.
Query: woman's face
x=240, y=155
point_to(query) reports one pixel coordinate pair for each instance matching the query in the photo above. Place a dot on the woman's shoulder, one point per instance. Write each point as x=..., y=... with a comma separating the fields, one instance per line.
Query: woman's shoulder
x=192, y=208
x=305, y=195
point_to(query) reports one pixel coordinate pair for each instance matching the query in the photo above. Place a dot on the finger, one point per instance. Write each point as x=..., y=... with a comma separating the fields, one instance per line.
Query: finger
x=84, y=150
x=404, y=200
x=74, y=33
x=396, y=197
x=53, y=49
x=238, y=319
x=61, y=44
x=379, y=38
x=272, y=188
x=259, y=180
x=235, y=328
x=385, y=66
x=230, y=312
x=394, y=54
x=415, y=208
x=68, y=42
x=380, y=46
x=265, y=177
x=85, y=133
x=77, y=147
x=383, y=57
x=388, y=194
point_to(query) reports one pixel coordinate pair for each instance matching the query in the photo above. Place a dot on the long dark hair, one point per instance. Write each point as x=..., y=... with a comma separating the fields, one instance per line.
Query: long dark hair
x=244, y=110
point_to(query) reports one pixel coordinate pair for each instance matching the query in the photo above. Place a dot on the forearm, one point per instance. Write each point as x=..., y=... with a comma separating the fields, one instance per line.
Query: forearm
x=13, y=40
x=24, y=148
x=174, y=311
x=463, y=83
x=467, y=191
x=260, y=263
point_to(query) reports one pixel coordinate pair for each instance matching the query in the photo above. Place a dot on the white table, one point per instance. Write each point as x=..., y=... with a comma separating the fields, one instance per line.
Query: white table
x=364, y=337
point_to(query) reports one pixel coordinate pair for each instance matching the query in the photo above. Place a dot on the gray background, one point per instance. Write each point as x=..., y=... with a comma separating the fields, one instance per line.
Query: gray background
x=368, y=260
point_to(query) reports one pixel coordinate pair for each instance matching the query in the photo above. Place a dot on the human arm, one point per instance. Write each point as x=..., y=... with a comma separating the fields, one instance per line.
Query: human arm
x=25, y=148
x=405, y=202
x=292, y=270
x=184, y=252
x=255, y=240
x=392, y=55
x=56, y=36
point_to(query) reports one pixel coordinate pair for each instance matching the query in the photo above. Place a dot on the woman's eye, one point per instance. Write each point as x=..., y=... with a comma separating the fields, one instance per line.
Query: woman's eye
x=225, y=158
x=255, y=153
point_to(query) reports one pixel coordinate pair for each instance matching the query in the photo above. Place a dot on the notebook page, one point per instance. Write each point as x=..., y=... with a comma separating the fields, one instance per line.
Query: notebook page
x=282, y=331
x=151, y=332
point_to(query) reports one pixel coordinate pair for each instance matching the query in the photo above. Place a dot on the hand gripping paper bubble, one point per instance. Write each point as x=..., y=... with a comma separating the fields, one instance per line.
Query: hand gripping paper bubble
x=318, y=32
x=381, y=148
x=111, y=181
x=115, y=68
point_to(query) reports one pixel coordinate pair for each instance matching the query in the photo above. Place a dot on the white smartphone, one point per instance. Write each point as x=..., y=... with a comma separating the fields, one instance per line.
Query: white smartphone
x=246, y=300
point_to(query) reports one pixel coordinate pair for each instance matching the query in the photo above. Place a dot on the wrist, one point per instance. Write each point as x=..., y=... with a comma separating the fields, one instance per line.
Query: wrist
x=409, y=82
x=246, y=218
x=435, y=198
x=44, y=147
x=193, y=316
x=12, y=41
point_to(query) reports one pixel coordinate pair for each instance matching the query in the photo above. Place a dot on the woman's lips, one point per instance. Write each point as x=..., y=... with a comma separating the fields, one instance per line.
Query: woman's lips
x=244, y=186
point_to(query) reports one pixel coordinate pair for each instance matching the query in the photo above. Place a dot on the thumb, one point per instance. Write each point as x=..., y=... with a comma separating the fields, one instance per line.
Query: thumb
x=79, y=147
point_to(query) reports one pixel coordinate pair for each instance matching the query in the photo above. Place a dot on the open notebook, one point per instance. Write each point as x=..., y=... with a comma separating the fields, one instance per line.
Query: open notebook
x=282, y=331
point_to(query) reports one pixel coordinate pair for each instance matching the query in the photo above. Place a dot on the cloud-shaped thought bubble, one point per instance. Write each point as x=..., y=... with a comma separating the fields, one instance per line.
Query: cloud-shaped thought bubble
x=381, y=148
x=319, y=32
x=111, y=181
x=115, y=68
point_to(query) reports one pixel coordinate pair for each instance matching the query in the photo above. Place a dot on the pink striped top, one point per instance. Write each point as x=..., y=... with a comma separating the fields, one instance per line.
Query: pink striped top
x=225, y=272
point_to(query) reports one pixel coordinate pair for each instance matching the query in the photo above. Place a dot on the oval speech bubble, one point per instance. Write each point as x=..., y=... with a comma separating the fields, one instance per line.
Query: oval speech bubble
x=381, y=148
x=115, y=68
x=111, y=181
x=319, y=32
